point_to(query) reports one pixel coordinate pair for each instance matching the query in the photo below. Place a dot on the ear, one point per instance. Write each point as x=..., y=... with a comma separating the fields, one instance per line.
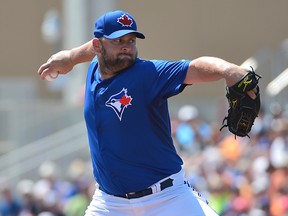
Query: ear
x=96, y=45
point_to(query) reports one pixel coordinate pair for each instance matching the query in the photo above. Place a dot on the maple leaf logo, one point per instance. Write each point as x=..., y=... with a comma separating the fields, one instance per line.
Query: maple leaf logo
x=125, y=100
x=125, y=20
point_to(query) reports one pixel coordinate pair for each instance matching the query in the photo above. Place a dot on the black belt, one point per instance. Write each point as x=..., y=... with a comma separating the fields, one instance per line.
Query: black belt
x=165, y=184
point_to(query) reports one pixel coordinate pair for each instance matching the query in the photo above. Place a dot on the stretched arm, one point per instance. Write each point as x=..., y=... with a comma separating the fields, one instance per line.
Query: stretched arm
x=64, y=61
x=207, y=69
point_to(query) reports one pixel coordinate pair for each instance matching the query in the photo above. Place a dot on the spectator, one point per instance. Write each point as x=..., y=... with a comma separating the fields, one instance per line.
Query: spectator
x=9, y=205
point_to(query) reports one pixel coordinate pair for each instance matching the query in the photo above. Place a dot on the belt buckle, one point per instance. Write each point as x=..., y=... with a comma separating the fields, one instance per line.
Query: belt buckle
x=127, y=195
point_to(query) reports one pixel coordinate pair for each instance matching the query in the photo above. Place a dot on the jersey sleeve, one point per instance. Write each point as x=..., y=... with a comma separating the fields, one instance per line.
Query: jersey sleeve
x=168, y=77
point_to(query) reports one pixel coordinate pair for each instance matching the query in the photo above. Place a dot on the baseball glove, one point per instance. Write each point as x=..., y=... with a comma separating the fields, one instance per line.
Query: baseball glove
x=243, y=110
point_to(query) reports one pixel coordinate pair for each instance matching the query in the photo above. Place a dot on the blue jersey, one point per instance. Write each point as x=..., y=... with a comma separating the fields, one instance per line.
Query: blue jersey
x=128, y=124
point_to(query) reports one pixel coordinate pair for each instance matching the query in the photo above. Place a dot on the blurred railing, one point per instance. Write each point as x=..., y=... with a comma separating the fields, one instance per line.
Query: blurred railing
x=23, y=122
x=33, y=131
x=70, y=141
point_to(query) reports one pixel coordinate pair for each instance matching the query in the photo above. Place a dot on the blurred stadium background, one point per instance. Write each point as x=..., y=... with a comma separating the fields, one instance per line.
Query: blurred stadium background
x=42, y=134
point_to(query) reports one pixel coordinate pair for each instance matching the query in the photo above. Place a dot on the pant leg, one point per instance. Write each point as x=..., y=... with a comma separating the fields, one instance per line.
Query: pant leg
x=180, y=200
x=103, y=204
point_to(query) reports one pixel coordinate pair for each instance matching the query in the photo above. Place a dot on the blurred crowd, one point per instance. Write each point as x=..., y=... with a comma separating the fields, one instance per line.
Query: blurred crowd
x=238, y=176
x=55, y=193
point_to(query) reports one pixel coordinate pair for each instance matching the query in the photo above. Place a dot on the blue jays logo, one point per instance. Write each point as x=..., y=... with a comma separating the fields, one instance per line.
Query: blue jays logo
x=119, y=102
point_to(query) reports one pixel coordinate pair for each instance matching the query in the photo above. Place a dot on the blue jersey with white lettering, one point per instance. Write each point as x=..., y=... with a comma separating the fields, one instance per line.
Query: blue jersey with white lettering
x=128, y=124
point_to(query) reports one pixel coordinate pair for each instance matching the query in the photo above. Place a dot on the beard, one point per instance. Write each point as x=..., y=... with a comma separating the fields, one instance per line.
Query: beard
x=117, y=63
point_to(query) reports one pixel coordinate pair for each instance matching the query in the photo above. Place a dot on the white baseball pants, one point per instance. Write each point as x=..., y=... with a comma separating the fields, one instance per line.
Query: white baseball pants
x=179, y=199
